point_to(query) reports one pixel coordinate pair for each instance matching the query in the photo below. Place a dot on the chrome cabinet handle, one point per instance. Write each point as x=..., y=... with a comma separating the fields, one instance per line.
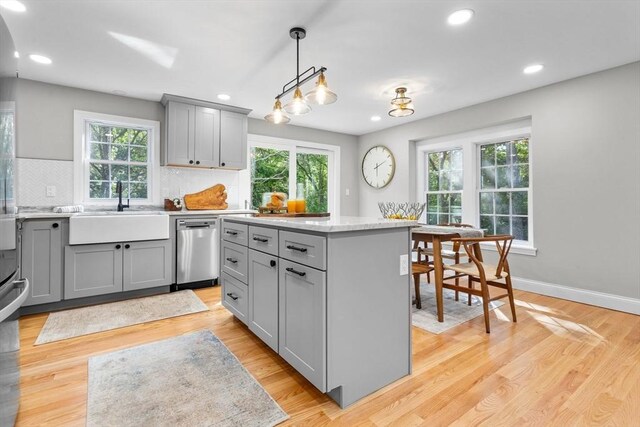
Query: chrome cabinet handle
x=233, y=260
x=232, y=296
x=261, y=240
x=233, y=233
x=295, y=248
x=299, y=273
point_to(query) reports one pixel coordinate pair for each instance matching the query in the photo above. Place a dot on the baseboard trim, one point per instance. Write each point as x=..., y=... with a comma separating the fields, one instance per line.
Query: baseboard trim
x=600, y=299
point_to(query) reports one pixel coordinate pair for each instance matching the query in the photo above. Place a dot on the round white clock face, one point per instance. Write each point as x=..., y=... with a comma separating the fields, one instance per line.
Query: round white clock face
x=378, y=166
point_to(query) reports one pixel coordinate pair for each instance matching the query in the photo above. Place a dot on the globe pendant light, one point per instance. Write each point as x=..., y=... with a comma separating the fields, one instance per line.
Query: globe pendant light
x=297, y=106
x=401, y=105
x=321, y=94
x=277, y=116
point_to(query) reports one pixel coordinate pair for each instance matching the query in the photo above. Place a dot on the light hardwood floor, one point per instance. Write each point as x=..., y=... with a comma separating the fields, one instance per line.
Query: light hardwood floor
x=562, y=364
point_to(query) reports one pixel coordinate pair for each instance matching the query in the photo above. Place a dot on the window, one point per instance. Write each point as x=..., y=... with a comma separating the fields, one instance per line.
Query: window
x=504, y=188
x=444, y=186
x=480, y=177
x=111, y=149
x=283, y=165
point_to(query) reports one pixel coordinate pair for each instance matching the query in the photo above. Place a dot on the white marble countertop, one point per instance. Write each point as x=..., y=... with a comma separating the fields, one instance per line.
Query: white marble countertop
x=327, y=225
x=44, y=214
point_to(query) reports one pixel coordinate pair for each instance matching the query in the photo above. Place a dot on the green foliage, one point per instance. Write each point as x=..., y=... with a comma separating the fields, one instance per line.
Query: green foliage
x=270, y=172
x=312, y=172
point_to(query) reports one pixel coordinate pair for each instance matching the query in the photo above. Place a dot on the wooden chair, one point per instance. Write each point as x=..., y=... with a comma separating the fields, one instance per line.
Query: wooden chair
x=418, y=268
x=478, y=271
x=453, y=254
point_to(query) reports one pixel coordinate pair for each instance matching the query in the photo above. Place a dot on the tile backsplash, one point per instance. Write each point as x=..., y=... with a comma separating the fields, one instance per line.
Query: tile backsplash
x=35, y=176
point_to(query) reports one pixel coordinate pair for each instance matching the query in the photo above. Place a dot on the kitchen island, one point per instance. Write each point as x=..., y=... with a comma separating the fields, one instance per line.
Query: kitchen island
x=330, y=295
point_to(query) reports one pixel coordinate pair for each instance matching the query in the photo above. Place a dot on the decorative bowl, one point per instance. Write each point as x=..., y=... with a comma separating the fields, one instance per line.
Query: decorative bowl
x=406, y=210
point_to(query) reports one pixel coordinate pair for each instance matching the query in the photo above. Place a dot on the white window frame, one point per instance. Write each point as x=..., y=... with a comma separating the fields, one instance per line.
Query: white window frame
x=294, y=147
x=81, y=159
x=470, y=143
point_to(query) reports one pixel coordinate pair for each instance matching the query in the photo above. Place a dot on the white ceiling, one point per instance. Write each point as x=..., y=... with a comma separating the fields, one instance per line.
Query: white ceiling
x=201, y=48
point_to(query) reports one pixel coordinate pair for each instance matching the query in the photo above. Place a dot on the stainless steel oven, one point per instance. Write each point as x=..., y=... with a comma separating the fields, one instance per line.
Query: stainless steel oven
x=12, y=295
x=13, y=292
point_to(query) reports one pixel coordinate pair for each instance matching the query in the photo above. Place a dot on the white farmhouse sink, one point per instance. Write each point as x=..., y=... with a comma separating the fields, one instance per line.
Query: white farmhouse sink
x=106, y=227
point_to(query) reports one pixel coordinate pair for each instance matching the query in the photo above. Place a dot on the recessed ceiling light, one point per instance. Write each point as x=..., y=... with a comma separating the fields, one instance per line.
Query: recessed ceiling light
x=376, y=118
x=16, y=54
x=40, y=59
x=224, y=97
x=13, y=5
x=534, y=68
x=460, y=17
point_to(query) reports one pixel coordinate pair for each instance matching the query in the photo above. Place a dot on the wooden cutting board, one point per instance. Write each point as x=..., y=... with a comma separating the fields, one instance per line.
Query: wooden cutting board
x=212, y=198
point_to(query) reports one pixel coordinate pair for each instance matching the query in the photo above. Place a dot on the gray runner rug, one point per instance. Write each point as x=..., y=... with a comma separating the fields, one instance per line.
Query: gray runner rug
x=190, y=380
x=72, y=323
x=455, y=312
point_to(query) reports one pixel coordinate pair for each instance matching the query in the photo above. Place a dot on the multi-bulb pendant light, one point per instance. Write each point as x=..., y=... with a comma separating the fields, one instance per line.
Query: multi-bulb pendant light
x=401, y=105
x=320, y=95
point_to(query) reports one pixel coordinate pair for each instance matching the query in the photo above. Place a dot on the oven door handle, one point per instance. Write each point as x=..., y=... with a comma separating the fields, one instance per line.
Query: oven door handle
x=22, y=284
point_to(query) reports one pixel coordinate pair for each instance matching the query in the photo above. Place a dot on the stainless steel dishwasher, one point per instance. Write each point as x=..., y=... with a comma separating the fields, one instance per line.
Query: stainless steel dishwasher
x=197, y=257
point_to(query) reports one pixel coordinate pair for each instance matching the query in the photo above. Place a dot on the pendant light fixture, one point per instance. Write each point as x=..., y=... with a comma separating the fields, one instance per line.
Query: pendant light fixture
x=278, y=115
x=401, y=105
x=299, y=104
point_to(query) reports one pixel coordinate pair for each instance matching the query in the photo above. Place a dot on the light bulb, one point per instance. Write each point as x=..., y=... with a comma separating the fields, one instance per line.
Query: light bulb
x=321, y=94
x=297, y=106
x=277, y=116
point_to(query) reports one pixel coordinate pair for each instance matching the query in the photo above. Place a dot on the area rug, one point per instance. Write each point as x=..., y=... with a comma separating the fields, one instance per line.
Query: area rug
x=455, y=312
x=190, y=380
x=104, y=317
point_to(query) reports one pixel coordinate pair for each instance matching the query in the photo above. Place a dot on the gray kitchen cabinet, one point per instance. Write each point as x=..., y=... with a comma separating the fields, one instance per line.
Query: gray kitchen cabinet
x=42, y=247
x=207, y=141
x=233, y=140
x=92, y=270
x=146, y=264
x=302, y=320
x=204, y=134
x=234, y=296
x=263, y=297
x=180, y=135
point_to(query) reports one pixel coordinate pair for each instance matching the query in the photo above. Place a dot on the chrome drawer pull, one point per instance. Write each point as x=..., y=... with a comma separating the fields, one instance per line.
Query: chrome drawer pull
x=261, y=240
x=299, y=273
x=232, y=233
x=295, y=248
x=232, y=296
x=233, y=260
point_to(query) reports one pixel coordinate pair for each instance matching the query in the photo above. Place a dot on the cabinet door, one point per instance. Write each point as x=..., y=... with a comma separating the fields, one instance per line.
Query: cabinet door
x=207, y=145
x=146, y=265
x=92, y=270
x=263, y=297
x=181, y=126
x=302, y=320
x=233, y=140
x=42, y=249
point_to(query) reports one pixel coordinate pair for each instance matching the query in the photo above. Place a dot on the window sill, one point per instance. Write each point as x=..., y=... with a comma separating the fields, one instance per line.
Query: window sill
x=515, y=249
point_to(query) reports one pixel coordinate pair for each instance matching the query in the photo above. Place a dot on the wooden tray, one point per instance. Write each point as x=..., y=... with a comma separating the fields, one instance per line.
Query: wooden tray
x=295, y=215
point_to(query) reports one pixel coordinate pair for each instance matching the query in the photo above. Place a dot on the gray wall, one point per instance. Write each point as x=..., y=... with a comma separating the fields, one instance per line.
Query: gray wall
x=45, y=116
x=45, y=127
x=585, y=170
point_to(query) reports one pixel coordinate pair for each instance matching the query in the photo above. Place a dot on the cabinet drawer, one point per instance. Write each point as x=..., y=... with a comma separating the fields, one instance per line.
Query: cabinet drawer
x=236, y=233
x=263, y=239
x=306, y=249
x=235, y=297
x=234, y=260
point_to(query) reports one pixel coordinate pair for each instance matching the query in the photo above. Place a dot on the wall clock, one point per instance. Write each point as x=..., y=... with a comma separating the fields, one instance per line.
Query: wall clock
x=378, y=166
